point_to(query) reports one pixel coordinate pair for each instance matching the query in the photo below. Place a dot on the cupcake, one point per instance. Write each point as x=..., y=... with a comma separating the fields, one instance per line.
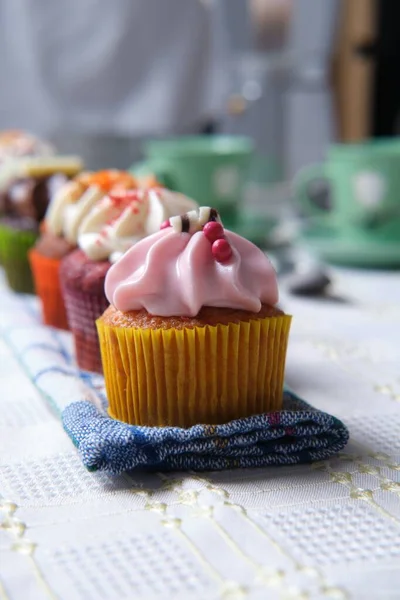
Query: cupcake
x=16, y=144
x=26, y=187
x=66, y=212
x=192, y=333
x=113, y=225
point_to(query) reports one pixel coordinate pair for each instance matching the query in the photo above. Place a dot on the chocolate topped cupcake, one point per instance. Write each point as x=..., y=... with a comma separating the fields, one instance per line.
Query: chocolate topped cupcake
x=26, y=188
x=30, y=196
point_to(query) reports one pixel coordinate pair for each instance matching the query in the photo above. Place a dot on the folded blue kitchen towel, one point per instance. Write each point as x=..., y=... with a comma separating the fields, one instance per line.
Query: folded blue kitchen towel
x=297, y=434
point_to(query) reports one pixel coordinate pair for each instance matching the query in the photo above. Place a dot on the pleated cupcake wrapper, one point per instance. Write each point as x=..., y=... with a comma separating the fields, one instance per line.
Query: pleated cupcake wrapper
x=47, y=284
x=210, y=374
x=14, y=248
x=83, y=308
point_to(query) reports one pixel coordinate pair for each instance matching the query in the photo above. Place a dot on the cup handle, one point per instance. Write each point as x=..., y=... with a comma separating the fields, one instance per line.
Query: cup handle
x=161, y=172
x=317, y=201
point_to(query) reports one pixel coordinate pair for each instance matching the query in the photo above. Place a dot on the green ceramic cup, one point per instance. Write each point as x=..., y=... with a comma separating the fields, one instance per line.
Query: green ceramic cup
x=355, y=194
x=210, y=169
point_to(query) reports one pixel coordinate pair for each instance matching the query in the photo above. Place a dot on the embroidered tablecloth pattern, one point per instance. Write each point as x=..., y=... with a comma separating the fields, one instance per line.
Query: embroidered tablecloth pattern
x=328, y=530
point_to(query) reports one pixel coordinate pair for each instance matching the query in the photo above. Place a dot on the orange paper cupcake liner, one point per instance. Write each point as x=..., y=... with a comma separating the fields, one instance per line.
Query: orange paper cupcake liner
x=210, y=374
x=47, y=284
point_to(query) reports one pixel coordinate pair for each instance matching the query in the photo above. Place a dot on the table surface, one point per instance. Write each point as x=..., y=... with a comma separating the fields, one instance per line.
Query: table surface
x=328, y=530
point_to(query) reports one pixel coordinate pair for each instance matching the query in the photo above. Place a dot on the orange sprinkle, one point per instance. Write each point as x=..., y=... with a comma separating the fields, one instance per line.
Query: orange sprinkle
x=108, y=179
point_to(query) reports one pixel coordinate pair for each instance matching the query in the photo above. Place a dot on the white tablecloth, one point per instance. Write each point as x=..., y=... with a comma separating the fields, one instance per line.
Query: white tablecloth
x=330, y=530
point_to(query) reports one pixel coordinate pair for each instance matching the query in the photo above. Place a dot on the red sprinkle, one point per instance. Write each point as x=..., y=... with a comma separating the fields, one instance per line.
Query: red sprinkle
x=221, y=250
x=120, y=196
x=165, y=224
x=213, y=231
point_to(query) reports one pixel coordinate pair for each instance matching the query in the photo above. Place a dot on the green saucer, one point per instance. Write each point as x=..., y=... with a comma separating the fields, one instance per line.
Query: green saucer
x=332, y=248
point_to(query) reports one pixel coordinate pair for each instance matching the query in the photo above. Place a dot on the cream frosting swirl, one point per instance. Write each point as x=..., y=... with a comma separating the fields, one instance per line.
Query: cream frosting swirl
x=123, y=218
x=179, y=269
x=77, y=197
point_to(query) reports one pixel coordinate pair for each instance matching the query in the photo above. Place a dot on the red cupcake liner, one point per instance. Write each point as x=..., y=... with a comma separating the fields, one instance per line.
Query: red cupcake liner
x=83, y=308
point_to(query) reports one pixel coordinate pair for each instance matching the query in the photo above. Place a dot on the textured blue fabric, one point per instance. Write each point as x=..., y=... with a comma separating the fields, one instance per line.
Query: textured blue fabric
x=297, y=434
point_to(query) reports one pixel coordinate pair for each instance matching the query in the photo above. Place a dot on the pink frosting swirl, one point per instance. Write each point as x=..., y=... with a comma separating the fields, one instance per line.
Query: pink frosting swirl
x=174, y=273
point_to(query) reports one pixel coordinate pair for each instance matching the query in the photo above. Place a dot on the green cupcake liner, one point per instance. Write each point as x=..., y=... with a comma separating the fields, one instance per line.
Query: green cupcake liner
x=14, y=247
